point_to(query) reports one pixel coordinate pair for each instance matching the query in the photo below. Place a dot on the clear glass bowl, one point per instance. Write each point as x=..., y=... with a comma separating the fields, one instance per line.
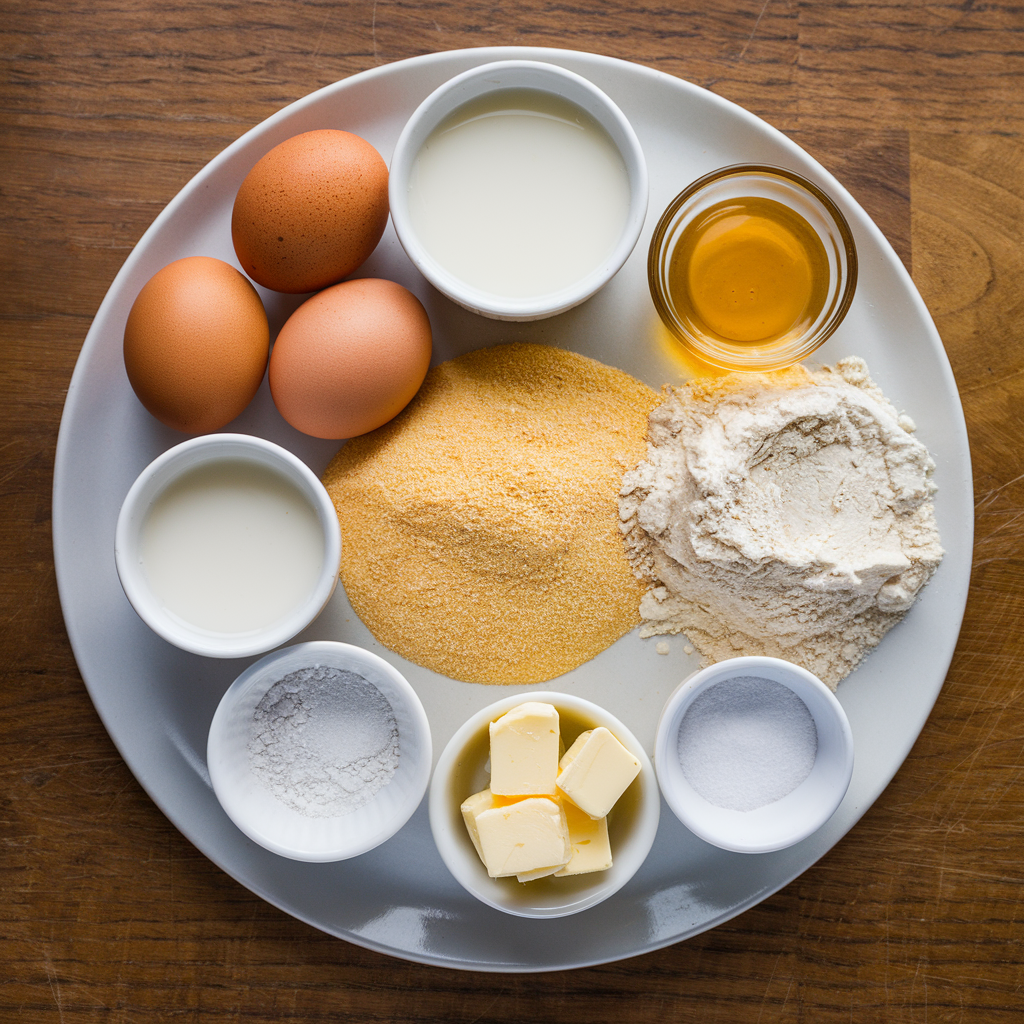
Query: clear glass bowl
x=739, y=188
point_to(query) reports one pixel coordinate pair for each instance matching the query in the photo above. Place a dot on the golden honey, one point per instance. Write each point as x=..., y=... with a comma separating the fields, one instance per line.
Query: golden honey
x=748, y=270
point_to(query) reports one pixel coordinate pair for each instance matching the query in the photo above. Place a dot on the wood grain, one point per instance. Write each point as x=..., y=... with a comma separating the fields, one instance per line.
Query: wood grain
x=108, y=913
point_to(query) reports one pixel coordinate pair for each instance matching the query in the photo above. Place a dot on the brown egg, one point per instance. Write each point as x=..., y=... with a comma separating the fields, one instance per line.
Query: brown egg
x=350, y=358
x=196, y=344
x=311, y=211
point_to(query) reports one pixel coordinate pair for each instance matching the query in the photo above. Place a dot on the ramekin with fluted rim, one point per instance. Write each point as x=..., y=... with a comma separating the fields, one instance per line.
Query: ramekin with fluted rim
x=276, y=825
x=494, y=77
x=783, y=822
x=461, y=771
x=171, y=466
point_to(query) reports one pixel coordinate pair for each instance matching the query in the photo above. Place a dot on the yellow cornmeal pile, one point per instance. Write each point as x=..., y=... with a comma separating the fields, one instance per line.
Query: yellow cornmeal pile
x=480, y=532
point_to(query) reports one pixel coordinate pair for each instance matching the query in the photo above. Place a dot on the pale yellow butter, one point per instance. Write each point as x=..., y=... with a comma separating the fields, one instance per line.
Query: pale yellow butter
x=543, y=815
x=472, y=807
x=588, y=838
x=532, y=876
x=524, y=751
x=595, y=771
x=523, y=836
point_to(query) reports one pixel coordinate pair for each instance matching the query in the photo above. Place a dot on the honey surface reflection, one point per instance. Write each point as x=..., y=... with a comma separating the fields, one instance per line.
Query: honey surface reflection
x=749, y=270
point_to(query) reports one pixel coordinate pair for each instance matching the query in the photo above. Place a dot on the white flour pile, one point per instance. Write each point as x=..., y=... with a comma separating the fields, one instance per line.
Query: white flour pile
x=785, y=514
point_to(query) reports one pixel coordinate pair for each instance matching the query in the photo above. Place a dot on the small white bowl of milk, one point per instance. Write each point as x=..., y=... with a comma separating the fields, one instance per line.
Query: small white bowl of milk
x=753, y=754
x=227, y=545
x=518, y=189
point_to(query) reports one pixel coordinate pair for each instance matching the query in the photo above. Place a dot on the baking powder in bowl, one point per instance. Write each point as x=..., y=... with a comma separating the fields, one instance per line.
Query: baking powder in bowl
x=324, y=741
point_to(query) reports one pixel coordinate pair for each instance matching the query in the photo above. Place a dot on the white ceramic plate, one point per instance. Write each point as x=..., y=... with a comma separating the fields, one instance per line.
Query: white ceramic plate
x=157, y=701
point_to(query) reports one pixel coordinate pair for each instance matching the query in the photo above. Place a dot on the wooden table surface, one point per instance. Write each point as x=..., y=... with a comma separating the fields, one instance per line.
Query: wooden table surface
x=108, y=913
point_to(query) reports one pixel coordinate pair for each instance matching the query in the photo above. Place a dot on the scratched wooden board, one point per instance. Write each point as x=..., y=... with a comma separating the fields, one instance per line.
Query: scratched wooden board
x=107, y=913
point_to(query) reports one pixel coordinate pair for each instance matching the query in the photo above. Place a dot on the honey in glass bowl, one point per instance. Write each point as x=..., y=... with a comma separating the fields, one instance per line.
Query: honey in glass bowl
x=752, y=268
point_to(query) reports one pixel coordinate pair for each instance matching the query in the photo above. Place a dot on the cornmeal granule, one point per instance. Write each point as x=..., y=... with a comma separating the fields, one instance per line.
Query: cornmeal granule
x=480, y=533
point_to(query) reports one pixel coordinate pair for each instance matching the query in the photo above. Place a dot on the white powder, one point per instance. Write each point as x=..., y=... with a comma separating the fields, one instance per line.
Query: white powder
x=324, y=741
x=785, y=514
x=747, y=742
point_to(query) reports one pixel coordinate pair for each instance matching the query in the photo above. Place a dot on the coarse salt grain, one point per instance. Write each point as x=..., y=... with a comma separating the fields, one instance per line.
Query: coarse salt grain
x=747, y=742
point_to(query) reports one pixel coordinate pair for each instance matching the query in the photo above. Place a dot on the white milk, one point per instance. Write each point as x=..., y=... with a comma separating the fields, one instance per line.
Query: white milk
x=519, y=193
x=232, y=547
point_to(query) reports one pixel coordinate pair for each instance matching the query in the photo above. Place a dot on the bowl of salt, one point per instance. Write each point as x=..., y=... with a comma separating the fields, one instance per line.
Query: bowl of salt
x=753, y=754
x=320, y=751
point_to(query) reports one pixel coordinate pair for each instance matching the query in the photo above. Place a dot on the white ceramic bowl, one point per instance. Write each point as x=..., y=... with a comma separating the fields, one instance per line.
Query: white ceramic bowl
x=166, y=469
x=275, y=824
x=783, y=822
x=477, y=82
x=460, y=772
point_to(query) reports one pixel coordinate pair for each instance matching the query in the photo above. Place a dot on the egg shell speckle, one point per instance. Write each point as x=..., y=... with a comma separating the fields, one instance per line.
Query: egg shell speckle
x=310, y=211
x=196, y=344
x=350, y=358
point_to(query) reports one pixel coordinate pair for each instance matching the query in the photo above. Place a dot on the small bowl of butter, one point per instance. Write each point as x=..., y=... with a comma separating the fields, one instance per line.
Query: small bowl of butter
x=518, y=189
x=227, y=545
x=752, y=267
x=543, y=805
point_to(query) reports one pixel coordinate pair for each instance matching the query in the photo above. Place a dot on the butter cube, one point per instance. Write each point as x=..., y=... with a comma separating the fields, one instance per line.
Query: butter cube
x=531, y=876
x=588, y=837
x=471, y=808
x=595, y=771
x=523, y=836
x=524, y=751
